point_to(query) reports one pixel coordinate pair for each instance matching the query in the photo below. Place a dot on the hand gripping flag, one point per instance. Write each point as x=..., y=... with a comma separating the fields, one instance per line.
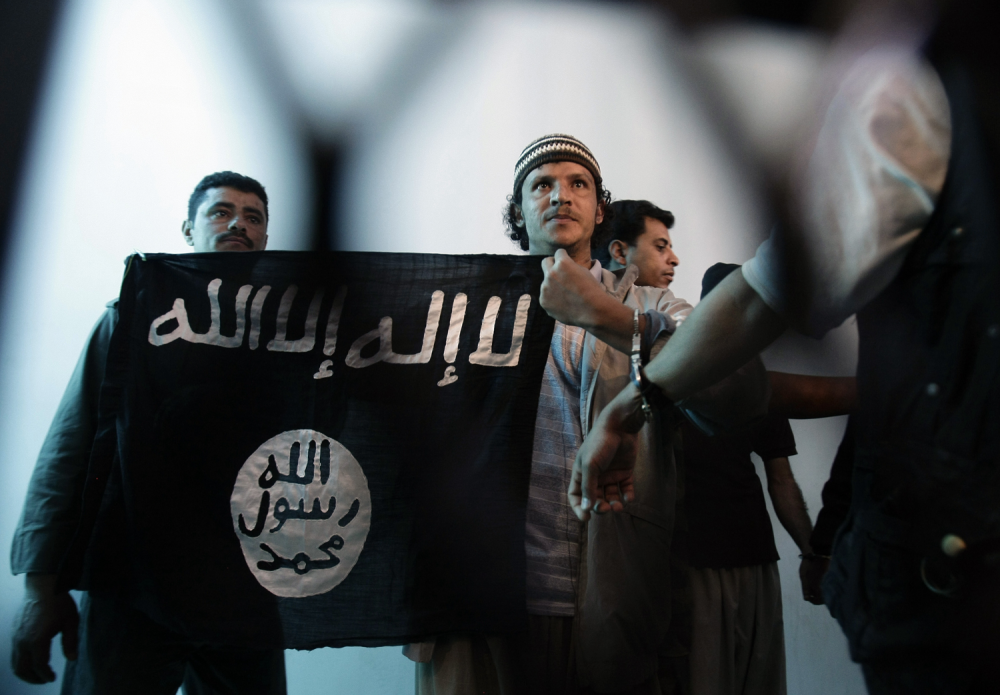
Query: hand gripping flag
x=322, y=449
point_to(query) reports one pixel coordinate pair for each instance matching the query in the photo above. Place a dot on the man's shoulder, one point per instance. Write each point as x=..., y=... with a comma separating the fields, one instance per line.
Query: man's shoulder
x=105, y=325
x=660, y=299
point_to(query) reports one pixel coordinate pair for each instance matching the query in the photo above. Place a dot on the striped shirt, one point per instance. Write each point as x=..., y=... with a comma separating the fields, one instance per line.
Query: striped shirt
x=553, y=533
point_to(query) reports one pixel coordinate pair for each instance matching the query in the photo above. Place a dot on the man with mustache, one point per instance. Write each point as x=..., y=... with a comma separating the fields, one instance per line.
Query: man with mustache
x=111, y=647
x=596, y=617
x=891, y=216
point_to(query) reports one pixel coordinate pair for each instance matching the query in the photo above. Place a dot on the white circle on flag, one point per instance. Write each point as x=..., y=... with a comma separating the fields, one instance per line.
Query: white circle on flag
x=302, y=510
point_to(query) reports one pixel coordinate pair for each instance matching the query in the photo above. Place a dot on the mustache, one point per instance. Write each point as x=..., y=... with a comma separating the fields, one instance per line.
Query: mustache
x=565, y=210
x=238, y=236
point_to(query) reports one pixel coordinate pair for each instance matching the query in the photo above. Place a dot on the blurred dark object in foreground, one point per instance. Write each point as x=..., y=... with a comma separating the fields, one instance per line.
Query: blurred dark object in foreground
x=26, y=30
x=821, y=15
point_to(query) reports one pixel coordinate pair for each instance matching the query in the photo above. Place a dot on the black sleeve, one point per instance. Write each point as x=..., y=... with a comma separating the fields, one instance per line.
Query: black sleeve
x=836, y=495
x=773, y=438
x=52, y=506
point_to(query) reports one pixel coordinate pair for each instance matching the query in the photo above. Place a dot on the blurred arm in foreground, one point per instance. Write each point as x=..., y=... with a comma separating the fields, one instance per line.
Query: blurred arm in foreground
x=855, y=207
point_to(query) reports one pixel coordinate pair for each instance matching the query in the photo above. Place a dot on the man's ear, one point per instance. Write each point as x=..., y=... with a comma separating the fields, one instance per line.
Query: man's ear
x=186, y=229
x=518, y=217
x=618, y=249
x=600, y=214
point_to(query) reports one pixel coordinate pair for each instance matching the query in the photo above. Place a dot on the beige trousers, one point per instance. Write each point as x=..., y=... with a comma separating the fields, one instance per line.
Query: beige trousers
x=738, y=640
x=539, y=662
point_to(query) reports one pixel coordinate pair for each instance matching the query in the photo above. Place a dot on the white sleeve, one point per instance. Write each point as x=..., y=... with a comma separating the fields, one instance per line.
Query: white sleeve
x=869, y=188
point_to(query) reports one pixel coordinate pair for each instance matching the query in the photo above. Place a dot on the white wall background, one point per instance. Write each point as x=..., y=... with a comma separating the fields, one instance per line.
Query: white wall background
x=146, y=96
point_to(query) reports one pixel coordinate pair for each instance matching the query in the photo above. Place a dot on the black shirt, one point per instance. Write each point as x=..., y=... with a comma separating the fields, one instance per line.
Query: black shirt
x=836, y=495
x=728, y=523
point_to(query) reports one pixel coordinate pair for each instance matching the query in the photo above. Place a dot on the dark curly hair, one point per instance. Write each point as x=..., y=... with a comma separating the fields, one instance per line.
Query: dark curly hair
x=519, y=235
x=229, y=179
x=626, y=223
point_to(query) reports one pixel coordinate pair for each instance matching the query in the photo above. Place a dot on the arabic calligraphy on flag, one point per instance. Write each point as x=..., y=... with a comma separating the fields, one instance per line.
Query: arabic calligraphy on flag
x=319, y=449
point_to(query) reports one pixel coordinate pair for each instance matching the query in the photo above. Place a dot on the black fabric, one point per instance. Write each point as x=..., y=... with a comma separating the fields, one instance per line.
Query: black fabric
x=928, y=447
x=714, y=275
x=836, y=495
x=728, y=523
x=123, y=652
x=445, y=448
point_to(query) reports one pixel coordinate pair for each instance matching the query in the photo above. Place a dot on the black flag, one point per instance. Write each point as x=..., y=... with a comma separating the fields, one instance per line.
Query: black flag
x=309, y=450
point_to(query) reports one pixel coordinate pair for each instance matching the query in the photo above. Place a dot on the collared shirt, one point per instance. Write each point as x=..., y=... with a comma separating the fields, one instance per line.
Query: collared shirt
x=553, y=533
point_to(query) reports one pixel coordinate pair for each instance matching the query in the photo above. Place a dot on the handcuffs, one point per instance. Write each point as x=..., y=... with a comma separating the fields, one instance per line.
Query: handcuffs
x=652, y=395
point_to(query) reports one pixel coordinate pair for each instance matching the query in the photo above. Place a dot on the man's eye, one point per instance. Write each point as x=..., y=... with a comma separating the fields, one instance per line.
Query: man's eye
x=219, y=213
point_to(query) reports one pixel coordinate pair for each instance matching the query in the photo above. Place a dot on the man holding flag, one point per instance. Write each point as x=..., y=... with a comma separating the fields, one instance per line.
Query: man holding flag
x=111, y=646
x=587, y=604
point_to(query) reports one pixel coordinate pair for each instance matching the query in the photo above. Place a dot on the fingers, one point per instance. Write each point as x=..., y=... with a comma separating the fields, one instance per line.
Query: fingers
x=589, y=489
x=577, y=501
x=40, y=660
x=615, y=490
x=549, y=262
x=811, y=572
x=628, y=490
x=812, y=595
x=613, y=496
x=42, y=615
x=30, y=661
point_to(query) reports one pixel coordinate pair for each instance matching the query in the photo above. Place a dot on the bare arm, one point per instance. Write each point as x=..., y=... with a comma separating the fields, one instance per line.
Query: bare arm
x=601, y=479
x=798, y=396
x=791, y=511
x=788, y=503
x=570, y=295
x=724, y=332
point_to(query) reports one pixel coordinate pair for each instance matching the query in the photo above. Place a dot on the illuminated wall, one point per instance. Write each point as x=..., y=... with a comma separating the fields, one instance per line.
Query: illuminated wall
x=431, y=104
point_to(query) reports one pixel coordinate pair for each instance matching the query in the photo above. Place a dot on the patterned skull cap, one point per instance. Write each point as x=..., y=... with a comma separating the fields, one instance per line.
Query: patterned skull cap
x=554, y=148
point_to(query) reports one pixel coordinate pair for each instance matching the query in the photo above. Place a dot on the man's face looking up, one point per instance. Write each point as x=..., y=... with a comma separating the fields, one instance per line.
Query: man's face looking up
x=227, y=219
x=559, y=210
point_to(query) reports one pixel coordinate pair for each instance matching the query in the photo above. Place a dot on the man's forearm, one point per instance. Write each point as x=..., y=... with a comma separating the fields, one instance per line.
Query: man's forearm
x=730, y=326
x=791, y=511
x=789, y=506
x=569, y=294
x=799, y=396
x=613, y=323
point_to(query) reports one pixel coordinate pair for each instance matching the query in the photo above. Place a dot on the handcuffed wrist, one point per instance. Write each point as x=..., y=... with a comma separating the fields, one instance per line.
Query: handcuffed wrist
x=652, y=395
x=813, y=556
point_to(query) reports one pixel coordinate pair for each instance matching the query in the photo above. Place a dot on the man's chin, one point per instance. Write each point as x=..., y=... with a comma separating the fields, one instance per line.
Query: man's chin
x=563, y=239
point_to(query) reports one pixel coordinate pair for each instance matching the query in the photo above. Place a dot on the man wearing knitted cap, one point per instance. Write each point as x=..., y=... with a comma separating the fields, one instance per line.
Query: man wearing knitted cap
x=597, y=617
